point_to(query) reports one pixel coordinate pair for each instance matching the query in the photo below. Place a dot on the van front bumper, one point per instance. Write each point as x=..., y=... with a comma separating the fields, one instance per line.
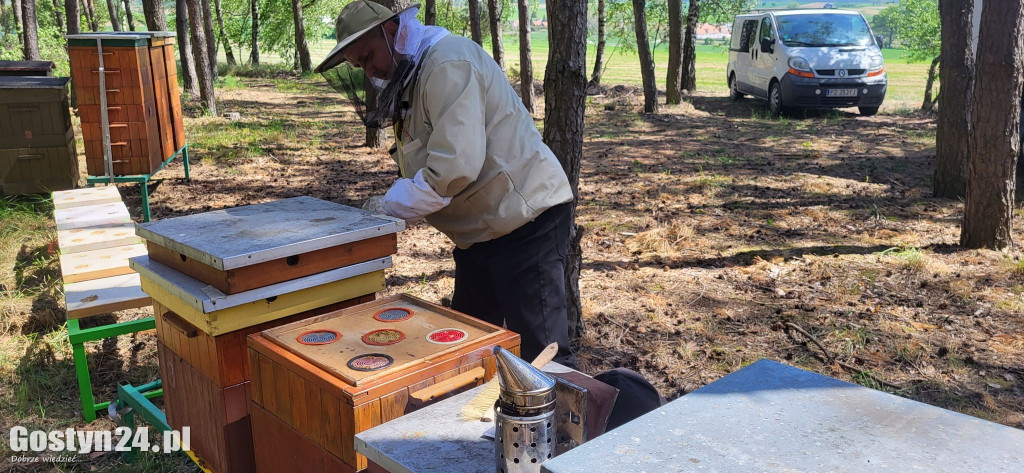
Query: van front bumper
x=812, y=92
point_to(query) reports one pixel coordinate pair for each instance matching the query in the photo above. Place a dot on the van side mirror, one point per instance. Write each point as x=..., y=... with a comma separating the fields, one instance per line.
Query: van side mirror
x=766, y=45
x=879, y=41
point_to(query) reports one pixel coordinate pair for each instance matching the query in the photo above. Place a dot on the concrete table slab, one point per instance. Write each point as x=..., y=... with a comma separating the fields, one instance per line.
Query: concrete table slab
x=434, y=439
x=769, y=417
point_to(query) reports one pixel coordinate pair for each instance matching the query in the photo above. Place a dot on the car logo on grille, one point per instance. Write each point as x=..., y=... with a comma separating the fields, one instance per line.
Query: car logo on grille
x=842, y=73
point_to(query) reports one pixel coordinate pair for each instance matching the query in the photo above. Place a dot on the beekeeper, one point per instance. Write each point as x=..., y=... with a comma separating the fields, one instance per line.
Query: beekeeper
x=471, y=162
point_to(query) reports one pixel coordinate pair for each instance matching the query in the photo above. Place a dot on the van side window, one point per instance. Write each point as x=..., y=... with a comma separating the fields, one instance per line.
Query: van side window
x=742, y=39
x=766, y=29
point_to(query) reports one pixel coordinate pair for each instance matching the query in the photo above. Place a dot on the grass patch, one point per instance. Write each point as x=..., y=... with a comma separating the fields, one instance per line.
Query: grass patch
x=909, y=258
x=228, y=142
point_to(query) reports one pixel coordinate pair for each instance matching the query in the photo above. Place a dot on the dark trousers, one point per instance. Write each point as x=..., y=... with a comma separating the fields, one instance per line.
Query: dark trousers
x=518, y=280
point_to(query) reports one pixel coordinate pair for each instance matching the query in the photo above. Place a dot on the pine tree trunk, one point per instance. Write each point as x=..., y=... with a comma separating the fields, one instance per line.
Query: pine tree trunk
x=474, y=22
x=211, y=46
x=689, y=74
x=595, y=78
x=301, y=49
x=115, y=20
x=995, y=127
x=675, y=52
x=58, y=17
x=189, y=80
x=154, y=12
x=957, y=79
x=90, y=14
x=254, y=54
x=643, y=47
x=525, y=61
x=429, y=12
x=565, y=93
x=74, y=19
x=928, y=103
x=128, y=15
x=30, y=28
x=497, y=48
x=223, y=35
x=19, y=23
x=201, y=52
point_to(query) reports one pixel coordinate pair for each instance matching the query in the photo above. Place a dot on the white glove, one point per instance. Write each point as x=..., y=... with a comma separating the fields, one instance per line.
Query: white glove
x=375, y=204
x=410, y=199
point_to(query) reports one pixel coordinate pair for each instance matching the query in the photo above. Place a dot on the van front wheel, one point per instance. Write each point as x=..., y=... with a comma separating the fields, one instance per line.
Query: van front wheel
x=867, y=111
x=734, y=93
x=774, y=100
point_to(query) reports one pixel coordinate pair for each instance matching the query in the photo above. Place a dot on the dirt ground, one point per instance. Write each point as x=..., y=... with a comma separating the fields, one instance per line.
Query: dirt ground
x=714, y=237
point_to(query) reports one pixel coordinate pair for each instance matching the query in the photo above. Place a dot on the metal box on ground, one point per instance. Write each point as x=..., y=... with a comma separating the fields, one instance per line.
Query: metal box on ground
x=37, y=142
x=318, y=382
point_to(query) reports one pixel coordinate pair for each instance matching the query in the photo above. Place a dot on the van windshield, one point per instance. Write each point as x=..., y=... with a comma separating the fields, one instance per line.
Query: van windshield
x=823, y=29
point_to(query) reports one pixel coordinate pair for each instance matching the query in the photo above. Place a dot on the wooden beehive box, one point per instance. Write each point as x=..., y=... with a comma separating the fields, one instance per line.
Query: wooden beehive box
x=280, y=241
x=37, y=142
x=318, y=382
x=206, y=384
x=143, y=102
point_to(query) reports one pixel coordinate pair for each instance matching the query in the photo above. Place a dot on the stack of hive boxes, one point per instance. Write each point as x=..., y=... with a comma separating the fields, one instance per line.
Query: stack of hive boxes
x=37, y=142
x=143, y=101
x=219, y=276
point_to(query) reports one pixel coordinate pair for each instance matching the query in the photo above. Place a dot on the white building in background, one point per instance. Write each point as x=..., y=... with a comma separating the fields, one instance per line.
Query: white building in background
x=705, y=31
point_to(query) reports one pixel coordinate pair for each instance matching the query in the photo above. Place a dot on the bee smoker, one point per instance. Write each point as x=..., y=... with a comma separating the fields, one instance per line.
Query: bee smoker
x=537, y=416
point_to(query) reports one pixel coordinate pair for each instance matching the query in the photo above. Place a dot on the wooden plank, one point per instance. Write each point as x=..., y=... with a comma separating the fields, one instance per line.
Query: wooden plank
x=100, y=296
x=255, y=386
x=113, y=214
x=279, y=270
x=88, y=239
x=257, y=312
x=95, y=264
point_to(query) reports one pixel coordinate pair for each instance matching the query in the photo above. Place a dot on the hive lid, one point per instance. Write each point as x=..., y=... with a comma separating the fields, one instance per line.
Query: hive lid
x=114, y=38
x=26, y=67
x=358, y=348
x=243, y=236
x=33, y=82
x=207, y=299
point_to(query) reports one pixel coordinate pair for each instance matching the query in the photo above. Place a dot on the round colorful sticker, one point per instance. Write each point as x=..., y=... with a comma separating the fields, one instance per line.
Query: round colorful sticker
x=370, y=362
x=318, y=337
x=447, y=336
x=384, y=336
x=393, y=314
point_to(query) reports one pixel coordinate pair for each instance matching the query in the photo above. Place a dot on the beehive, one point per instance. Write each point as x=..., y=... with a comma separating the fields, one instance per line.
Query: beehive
x=201, y=330
x=37, y=142
x=318, y=382
x=143, y=101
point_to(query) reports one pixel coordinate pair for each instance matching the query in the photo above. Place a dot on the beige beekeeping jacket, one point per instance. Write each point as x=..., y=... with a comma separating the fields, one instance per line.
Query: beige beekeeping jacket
x=476, y=142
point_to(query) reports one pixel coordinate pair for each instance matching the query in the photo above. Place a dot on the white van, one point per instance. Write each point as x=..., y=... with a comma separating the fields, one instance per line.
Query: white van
x=806, y=59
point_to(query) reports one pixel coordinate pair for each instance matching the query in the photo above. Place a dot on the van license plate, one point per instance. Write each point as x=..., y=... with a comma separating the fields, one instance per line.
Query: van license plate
x=841, y=92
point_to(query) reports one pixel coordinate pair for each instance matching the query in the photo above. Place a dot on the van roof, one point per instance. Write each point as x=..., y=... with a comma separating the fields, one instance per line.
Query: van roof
x=799, y=11
x=815, y=11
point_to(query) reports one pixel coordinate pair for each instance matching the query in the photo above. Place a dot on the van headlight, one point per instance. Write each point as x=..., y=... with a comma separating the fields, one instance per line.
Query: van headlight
x=799, y=63
x=876, y=63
